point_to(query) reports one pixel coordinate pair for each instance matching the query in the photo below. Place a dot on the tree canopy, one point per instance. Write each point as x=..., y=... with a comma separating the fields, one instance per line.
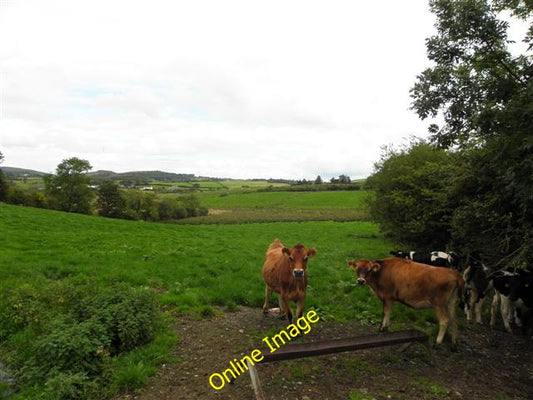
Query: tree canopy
x=482, y=95
x=70, y=186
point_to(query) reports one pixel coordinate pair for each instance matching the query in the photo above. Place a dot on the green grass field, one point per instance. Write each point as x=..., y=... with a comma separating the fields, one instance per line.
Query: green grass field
x=202, y=264
x=252, y=206
x=49, y=260
x=285, y=200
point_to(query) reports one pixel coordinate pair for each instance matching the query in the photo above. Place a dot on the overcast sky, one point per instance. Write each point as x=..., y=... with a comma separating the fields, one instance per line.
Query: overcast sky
x=241, y=89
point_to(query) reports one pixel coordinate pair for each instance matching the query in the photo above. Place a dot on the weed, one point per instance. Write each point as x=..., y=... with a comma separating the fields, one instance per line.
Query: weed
x=360, y=395
x=429, y=388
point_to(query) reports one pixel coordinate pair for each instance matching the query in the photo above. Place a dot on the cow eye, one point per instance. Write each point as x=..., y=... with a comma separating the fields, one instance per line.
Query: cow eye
x=291, y=258
x=305, y=258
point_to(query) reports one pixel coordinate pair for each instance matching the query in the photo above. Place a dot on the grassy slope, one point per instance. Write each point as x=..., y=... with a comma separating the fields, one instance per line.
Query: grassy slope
x=190, y=265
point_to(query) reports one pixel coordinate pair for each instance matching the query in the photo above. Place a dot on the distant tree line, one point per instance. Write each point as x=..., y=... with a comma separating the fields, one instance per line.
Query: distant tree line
x=343, y=182
x=70, y=190
x=311, y=187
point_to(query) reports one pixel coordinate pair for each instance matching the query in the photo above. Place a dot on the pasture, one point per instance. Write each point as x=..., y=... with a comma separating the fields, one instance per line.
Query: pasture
x=253, y=206
x=188, y=265
x=49, y=258
x=202, y=276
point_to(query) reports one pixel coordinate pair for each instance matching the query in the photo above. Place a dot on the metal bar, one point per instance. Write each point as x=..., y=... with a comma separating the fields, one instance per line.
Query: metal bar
x=299, y=350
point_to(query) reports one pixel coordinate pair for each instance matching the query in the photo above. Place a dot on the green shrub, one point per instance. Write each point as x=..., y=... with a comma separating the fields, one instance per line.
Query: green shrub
x=63, y=336
x=70, y=386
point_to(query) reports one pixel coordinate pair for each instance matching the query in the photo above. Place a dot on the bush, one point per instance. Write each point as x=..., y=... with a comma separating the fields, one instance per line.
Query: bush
x=63, y=336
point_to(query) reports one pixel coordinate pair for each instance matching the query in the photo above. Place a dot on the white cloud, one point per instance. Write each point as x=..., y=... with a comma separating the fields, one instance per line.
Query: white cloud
x=236, y=88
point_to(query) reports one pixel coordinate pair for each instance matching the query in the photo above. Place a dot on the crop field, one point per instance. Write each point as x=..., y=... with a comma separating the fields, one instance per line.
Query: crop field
x=50, y=260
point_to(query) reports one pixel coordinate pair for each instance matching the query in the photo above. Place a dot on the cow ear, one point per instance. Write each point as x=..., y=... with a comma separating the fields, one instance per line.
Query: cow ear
x=311, y=252
x=376, y=266
x=352, y=264
x=286, y=251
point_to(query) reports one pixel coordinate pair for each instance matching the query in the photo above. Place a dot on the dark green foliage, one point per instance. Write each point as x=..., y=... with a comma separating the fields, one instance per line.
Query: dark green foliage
x=110, y=201
x=64, y=335
x=4, y=186
x=485, y=95
x=171, y=208
x=70, y=186
x=410, y=200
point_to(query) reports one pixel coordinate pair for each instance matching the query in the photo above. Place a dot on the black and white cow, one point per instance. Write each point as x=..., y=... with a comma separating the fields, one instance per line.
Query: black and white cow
x=521, y=295
x=477, y=286
x=521, y=288
x=501, y=281
x=435, y=258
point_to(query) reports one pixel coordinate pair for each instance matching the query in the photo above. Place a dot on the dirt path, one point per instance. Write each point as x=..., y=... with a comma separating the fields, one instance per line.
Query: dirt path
x=487, y=365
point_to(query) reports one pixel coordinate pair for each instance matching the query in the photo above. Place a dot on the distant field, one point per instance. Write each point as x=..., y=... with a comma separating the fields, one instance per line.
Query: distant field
x=286, y=200
x=253, y=206
x=217, y=185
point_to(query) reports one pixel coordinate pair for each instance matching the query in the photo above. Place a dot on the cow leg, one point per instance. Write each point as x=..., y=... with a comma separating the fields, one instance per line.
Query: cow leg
x=506, y=312
x=444, y=320
x=516, y=315
x=477, y=310
x=387, y=308
x=470, y=304
x=300, y=306
x=284, y=299
x=282, y=310
x=493, y=307
x=452, y=303
x=267, y=297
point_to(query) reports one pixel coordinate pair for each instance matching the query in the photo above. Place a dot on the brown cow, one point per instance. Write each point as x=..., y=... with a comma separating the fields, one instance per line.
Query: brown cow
x=284, y=272
x=415, y=285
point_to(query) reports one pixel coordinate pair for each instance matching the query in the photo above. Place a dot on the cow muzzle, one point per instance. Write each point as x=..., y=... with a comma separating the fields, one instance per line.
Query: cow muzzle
x=298, y=273
x=361, y=281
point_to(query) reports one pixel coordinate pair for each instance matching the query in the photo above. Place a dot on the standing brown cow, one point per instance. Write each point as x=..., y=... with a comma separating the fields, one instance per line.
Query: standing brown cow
x=284, y=272
x=415, y=285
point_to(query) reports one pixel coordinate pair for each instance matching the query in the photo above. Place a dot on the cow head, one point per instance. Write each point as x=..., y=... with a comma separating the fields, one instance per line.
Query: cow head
x=298, y=257
x=363, y=269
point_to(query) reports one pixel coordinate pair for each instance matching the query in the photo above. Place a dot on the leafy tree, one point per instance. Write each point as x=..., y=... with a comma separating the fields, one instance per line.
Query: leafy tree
x=141, y=205
x=110, y=202
x=192, y=205
x=70, y=186
x=411, y=202
x=318, y=180
x=344, y=179
x=171, y=208
x=485, y=96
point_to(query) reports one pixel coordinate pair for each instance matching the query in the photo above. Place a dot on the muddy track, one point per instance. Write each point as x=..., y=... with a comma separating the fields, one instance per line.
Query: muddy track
x=488, y=365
